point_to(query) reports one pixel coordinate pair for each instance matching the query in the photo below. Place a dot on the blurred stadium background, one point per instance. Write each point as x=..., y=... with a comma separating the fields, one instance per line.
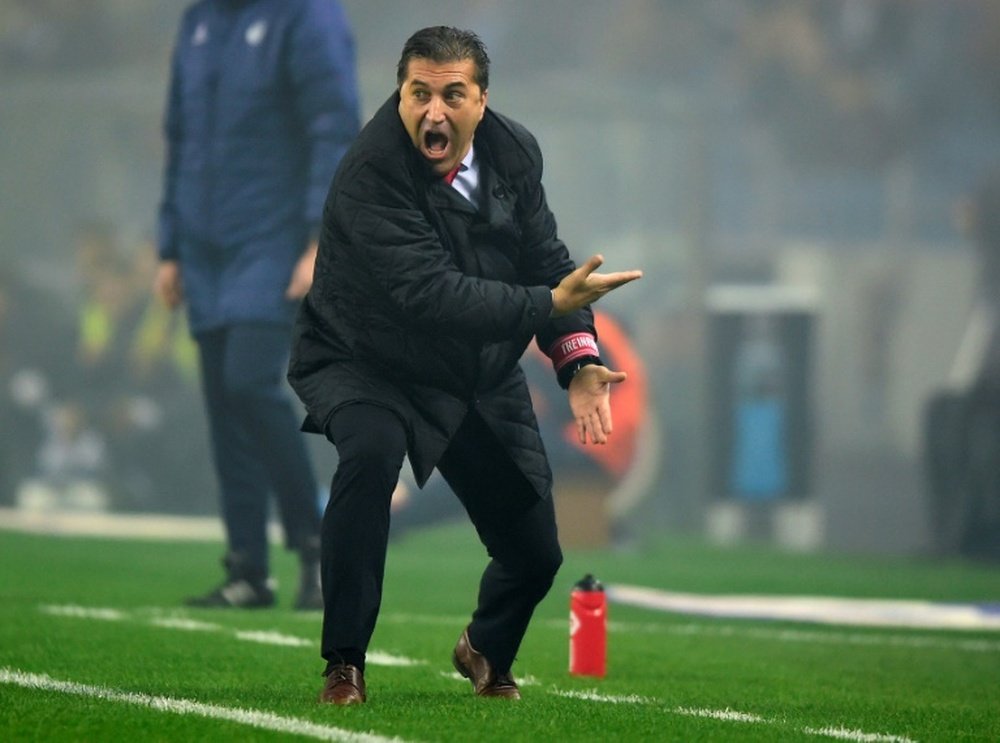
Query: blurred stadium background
x=801, y=163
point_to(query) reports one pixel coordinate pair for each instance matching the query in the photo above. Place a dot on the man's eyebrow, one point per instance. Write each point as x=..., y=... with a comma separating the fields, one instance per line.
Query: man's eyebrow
x=417, y=82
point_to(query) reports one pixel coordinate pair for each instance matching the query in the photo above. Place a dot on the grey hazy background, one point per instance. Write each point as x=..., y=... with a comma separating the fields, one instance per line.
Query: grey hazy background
x=818, y=145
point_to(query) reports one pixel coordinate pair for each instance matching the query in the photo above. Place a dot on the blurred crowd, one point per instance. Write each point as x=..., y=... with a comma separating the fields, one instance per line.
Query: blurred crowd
x=842, y=90
x=99, y=396
x=54, y=35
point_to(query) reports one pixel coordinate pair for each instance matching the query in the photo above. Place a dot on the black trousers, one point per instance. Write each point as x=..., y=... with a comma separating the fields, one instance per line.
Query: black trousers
x=517, y=528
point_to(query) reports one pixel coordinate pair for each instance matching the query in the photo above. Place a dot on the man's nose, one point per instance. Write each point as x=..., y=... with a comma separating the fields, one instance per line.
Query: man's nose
x=435, y=110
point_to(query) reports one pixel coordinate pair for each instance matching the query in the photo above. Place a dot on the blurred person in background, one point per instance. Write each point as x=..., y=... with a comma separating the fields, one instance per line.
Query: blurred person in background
x=136, y=379
x=962, y=418
x=439, y=261
x=35, y=330
x=981, y=221
x=115, y=413
x=262, y=104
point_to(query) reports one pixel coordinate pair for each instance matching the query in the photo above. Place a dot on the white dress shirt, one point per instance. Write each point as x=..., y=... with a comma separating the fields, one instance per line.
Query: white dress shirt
x=466, y=181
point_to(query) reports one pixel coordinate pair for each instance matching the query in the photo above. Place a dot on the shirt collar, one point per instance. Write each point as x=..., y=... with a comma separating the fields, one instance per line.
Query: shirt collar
x=468, y=162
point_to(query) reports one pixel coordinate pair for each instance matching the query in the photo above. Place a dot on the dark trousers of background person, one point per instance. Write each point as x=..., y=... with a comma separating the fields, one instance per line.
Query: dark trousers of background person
x=517, y=528
x=962, y=465
x=257, y=446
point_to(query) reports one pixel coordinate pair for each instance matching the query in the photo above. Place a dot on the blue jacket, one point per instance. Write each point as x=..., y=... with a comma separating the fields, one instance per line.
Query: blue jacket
x=263, y=103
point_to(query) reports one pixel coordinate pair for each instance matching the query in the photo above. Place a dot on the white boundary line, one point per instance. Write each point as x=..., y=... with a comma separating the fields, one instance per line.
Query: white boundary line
x=117, y=525
x=306, y=728
x=856, y=735
x=713, y=628
x=595, y=696
x=379, y=658
x=817, y=637
x=185, y=624
x=252, y=718
x=728, y=715
x=731, y=715
x=895, y=613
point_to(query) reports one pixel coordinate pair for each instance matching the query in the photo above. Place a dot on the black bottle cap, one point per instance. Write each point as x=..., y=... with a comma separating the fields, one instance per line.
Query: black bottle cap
x=588, y=583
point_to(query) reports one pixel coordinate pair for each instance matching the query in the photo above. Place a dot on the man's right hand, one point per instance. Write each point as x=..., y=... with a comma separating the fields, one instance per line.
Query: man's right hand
x=167, y=284
x=583, y=286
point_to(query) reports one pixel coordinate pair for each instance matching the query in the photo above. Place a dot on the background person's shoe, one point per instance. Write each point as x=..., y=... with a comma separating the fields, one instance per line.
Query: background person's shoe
x=475, y=667
x=246, y=587
x=345, y=684
x=236, y=593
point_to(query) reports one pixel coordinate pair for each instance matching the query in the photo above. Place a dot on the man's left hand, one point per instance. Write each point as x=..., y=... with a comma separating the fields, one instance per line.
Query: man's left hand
x=590, y=401
x=302, y=276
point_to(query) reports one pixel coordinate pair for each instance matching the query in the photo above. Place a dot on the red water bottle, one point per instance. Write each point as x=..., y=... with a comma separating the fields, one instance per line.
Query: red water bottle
x=588, y=628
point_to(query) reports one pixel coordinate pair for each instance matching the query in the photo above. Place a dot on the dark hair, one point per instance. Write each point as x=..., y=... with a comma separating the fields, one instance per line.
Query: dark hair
x=446, y=44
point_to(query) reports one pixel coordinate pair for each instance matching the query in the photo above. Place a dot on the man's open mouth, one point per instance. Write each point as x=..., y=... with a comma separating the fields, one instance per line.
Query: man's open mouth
x=435, y=143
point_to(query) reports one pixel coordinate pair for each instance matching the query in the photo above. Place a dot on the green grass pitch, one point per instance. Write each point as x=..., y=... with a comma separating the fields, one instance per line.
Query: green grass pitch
x=95, y=646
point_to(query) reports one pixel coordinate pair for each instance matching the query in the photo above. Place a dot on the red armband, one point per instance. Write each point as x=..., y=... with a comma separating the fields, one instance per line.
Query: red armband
x=571, y=347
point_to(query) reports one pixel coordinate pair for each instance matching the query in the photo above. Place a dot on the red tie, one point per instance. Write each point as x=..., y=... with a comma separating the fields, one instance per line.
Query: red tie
x=451, y=174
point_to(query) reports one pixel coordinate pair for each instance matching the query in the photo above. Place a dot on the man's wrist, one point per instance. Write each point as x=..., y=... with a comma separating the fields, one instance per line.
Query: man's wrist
x=568, y=372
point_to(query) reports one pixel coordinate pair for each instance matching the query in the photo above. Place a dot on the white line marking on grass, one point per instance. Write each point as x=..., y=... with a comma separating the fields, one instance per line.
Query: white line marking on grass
x=252, y=718
x=839, y=638
x=729, y=715
x=273, y=638
x=387, y=659
x=375, y=657
x=726, y=714
x=521, y=680
x=819, y=609
x=595, y=696
x=825, y=637
x=378, y=658
x=188, y=625
x=83, y=612
x=857, y=735
x=435, y=619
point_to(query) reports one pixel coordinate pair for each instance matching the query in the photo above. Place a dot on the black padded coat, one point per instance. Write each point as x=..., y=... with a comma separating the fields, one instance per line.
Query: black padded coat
x=424, y=305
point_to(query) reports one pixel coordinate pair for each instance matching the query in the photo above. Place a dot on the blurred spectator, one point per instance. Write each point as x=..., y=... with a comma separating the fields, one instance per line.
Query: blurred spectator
x=813, y=72
x=962, y=420
x=262, y=105
x=109, y=423
x=53, y=34
x=978, y=219
x=984, y=228
x=33, y=334
x=136, y=382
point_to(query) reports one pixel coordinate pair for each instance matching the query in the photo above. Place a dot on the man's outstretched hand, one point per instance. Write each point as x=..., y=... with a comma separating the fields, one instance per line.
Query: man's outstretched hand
x=589, y=399
x=583, y=286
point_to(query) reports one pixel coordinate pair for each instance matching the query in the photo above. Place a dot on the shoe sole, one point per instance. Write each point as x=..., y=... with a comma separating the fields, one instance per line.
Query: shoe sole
x=465, y=673
x=460, y=668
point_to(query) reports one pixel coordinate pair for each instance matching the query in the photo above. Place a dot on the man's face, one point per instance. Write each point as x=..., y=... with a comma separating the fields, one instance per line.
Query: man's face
x=441, y=106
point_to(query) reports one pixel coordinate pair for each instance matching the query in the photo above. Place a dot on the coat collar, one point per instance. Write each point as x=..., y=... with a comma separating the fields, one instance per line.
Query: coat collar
x=497, y=198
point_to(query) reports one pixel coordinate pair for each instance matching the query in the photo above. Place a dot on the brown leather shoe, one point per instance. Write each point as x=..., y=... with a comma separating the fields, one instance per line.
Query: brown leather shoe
x=344, y=685
x=474, y=666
